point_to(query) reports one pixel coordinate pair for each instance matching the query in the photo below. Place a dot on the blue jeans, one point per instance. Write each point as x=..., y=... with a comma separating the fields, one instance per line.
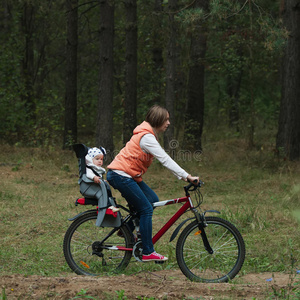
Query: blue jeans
x=141, y=197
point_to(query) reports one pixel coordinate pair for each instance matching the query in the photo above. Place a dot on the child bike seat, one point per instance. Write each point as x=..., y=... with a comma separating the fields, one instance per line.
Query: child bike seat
x=90, y=189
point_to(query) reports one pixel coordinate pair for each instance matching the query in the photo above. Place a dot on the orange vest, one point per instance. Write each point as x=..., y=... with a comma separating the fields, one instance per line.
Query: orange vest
x=132, y=159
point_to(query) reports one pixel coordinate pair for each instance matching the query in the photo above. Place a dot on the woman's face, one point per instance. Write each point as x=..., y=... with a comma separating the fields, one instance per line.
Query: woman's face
x=165, y=125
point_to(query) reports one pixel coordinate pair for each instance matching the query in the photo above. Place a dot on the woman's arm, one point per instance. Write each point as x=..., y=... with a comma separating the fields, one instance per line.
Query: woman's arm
x=149, y=144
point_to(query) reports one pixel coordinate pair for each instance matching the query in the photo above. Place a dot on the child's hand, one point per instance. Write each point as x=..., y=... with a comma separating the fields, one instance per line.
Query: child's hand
x=96, y=179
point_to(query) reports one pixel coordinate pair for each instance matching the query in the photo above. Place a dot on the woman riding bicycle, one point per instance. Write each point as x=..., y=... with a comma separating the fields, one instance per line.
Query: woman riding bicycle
x=126, y=170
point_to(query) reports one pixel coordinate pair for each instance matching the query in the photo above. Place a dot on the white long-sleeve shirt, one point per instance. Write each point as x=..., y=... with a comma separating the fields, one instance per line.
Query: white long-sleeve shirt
x=149, y=144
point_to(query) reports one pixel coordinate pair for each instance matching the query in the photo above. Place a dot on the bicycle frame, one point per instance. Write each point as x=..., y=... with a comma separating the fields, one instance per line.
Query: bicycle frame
x=187, y=205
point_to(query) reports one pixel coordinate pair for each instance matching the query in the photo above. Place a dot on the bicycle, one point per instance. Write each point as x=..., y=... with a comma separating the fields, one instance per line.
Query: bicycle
x=209, y=249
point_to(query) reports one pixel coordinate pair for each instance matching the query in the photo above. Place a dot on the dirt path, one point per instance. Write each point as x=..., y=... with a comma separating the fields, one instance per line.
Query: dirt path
x=169, y=285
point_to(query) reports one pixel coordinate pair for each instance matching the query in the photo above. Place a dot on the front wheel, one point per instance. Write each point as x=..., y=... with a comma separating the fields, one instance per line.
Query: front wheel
x=88, y=249
x=228, y=251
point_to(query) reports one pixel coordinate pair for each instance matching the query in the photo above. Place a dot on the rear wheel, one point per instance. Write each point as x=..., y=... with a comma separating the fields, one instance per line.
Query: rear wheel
x=85, y=247
x=228, y=251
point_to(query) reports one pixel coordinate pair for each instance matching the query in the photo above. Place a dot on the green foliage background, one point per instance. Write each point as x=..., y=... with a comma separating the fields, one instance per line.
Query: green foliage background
x=234, y=29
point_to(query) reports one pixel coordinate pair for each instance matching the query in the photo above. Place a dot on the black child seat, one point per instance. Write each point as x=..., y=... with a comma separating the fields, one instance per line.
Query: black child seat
x=94, y=193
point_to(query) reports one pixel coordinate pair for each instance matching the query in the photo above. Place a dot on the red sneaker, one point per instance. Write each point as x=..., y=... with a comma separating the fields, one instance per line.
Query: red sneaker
x=154, y=257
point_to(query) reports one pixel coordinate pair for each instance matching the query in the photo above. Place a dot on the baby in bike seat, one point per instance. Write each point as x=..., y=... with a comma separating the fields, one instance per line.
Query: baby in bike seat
x=94, y=170
x=96, y=193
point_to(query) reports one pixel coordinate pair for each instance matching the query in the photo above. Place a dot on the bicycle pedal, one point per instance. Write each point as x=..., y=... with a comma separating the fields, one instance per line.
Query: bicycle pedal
x=159, y=262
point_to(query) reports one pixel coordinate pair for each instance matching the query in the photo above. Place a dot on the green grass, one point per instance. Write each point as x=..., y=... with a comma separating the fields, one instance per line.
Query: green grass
x=253, y=189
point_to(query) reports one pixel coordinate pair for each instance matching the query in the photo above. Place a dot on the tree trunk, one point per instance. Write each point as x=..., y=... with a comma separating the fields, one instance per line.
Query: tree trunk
x=70, y=130
x=288, y=136
x=104, y=127
x=130, y=103
x=157, y=51
x=5, y=17
x=195, y=101
x=27, y=67
x=251, y=125
x=170, y=78
x=233, y=91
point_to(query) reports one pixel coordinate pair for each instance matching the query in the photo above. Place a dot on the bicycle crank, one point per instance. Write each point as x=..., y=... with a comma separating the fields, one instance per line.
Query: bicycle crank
x=137, y=251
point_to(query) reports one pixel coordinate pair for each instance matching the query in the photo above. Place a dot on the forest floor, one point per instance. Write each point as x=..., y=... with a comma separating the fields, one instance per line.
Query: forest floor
x=37, y=193
x=166, y=284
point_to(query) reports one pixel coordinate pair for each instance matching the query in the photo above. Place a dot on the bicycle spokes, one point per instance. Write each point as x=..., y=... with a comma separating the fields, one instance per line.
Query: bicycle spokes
x=226, y=258
x=91, y=250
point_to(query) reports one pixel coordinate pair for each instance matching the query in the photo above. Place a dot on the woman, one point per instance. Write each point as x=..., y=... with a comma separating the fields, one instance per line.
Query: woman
x=126, y=170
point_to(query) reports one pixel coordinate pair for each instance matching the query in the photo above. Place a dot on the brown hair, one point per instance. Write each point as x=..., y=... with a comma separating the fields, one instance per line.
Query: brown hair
x=156, y=116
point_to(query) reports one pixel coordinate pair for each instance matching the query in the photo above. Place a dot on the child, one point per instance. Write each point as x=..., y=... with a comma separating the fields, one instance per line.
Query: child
x=94, y=170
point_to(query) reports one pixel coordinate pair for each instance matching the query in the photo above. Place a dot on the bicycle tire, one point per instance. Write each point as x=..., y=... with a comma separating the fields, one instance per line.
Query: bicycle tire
x=221, y=266
x=82, y=239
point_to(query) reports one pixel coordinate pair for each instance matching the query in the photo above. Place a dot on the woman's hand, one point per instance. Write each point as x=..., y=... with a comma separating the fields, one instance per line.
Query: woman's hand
x=193, y=179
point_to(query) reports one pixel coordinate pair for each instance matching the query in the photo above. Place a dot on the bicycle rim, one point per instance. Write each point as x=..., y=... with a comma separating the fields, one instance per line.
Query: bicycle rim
x=86, y=255
x=225, y=262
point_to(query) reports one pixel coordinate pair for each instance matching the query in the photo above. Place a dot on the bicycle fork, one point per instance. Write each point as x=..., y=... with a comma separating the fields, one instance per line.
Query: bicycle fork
x=201, y=225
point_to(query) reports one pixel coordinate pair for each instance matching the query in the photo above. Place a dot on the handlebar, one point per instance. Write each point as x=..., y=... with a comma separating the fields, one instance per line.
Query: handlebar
x=195, y=186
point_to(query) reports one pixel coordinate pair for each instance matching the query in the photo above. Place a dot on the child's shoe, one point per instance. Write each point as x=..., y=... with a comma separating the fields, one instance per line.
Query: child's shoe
x=154, y=257
x=114, y=209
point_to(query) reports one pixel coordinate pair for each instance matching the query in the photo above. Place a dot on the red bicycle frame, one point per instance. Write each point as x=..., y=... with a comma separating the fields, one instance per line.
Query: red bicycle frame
x=188, y=204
